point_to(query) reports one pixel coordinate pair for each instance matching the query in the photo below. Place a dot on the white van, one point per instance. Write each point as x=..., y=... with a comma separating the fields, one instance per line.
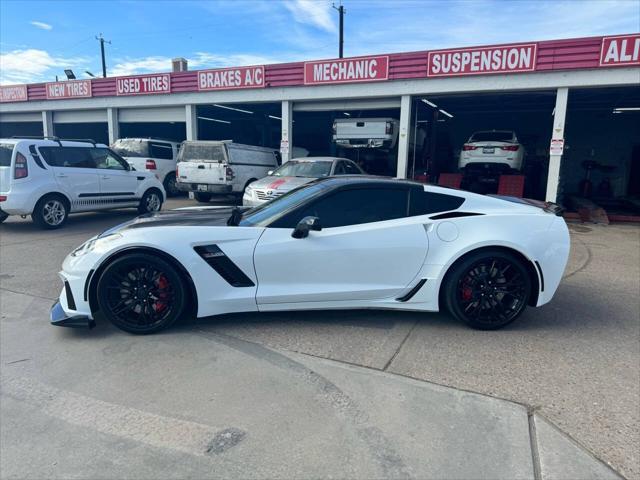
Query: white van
x=366, y=132
x=153, y=155
x=221, y=167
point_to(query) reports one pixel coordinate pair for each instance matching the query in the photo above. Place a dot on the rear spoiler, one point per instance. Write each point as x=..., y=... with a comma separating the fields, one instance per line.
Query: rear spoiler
x=548, y=207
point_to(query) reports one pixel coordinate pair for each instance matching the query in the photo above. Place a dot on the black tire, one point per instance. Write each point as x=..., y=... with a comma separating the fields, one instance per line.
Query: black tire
x=202, y=197
x=170, y=185
x=3, y=216
x=141, y=293
x=51, y=211
x=487, y=289
x=151, y=201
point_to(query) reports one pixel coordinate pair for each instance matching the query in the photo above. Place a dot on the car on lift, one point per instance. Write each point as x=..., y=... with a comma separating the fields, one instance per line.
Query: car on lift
x=366, y=132
x=294, y=173
x=224, y=167
x=48, y=178
x=342, y=242
x=154, y=155
x=496, y=150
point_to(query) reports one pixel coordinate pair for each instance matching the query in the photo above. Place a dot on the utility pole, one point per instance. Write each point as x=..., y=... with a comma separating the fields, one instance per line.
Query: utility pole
x=341, y=12
x=104, y=63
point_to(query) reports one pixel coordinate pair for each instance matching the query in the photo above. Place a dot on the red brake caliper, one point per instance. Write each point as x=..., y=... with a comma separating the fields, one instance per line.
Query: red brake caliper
x=161, y=303
x=467, y=291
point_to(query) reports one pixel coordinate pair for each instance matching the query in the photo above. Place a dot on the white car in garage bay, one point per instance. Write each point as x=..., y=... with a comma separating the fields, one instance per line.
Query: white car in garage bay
x=294, y=173
x=492, y=148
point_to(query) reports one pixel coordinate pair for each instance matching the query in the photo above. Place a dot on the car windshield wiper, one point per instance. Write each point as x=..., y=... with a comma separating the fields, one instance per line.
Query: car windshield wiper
x=236, y=216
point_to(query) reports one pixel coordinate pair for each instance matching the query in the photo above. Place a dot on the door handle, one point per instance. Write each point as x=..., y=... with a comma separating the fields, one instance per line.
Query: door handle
x=201, y=167
x=61, y=175
x=105, y=177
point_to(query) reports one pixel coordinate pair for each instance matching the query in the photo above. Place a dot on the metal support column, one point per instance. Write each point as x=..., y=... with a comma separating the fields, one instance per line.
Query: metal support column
x=287, y=130
x=47, y=123
x=403, y=136
x=191, y=116
x=113, y=125
x=553, y=177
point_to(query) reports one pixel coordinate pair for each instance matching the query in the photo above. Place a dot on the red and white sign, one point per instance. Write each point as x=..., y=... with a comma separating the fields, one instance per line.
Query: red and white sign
x=13, y=93
x=71, y=89
x=231, y=78
x=557, y=146
x=144, y=84
x=482, y=60
x=347, y=70
x=620, y=51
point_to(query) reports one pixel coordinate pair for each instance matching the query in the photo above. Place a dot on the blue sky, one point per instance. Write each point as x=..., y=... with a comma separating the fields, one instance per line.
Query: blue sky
x=39, y=39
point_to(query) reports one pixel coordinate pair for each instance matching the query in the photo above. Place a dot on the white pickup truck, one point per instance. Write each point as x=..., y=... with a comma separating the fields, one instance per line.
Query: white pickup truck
x=366, y=132
x=222, y=167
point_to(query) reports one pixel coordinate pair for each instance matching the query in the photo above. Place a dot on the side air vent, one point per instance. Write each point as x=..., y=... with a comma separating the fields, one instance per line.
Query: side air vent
x=413, y=291
x=443, y=216
x=222, y=264
x=71, y=303
x=541, y=276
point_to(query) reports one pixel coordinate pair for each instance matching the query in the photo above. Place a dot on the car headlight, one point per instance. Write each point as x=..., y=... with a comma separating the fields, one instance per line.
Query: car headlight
x=94, y=242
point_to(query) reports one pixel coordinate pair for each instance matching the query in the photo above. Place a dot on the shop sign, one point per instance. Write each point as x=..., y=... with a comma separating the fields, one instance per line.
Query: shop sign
x=13, y=93
x=70, y=89
x=231, y=78
x=144, y=84
x=557, y=146
x=347, y=70
x=482, y=60
x=620, y=51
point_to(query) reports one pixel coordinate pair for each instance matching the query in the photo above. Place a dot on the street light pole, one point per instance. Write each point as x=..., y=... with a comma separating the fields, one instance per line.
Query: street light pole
x=341, y=12
x=104, y=63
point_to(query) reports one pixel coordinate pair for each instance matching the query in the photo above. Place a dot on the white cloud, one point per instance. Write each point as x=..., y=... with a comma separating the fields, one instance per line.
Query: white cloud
x=313, y=12
x=42, y=25
x=199, y=60
x=33, y=65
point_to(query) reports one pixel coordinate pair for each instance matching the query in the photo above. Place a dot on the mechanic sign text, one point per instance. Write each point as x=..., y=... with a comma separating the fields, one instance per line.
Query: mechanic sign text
x=347, y=70
x=482, y=60
x=69, y=89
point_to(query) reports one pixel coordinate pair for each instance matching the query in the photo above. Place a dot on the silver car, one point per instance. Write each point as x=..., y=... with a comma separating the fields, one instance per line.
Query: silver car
x=294, y=173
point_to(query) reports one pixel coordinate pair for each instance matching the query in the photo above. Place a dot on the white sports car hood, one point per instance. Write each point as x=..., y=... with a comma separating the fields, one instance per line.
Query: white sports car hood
x=196, y=217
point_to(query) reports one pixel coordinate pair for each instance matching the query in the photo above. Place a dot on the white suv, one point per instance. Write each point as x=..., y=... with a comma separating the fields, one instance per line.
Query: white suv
x=154, y=155
x=49, y=178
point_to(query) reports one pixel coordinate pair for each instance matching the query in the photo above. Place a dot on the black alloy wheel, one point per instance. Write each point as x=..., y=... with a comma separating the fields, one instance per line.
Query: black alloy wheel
x=487, y=290
x=141, y=293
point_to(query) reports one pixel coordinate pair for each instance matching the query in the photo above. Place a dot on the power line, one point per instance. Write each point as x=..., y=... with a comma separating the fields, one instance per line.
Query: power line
x=104, y=63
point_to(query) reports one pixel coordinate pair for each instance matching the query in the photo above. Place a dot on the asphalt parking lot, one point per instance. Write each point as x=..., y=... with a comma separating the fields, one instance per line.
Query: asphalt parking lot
x=575, y=362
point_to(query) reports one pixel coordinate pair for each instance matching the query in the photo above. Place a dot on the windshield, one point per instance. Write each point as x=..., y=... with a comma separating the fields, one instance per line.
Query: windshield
x=202, y=152
x=131, y=148
x=6, y=149
x=492, y=137
x=304, y=169
x=267, y=213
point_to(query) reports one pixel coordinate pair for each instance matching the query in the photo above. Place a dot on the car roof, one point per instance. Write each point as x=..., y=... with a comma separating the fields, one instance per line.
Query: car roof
x=46, y=142
x=147, y=139
x=317, y=159
x=364, y=180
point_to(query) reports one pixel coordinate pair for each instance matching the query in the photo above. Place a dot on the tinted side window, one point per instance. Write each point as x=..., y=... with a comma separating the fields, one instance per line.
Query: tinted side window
x=352, y=207
x=6, y=151
x=424, y=203
x=339, y=170
x=70, y=157
x=160, y=150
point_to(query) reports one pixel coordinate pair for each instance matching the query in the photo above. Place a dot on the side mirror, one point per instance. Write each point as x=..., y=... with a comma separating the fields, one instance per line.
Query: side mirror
x=269, y=173
x=306, y=225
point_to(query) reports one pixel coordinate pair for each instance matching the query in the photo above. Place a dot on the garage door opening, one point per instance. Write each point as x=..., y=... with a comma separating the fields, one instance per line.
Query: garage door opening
x=601, y=163
x=257, y=124
x=363, y=131
x=20, y=129
x=97, y=131
x=482, y=137
x=174, y=131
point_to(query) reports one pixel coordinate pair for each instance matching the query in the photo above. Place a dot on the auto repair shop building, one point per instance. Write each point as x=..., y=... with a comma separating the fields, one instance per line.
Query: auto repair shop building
x=574, y=104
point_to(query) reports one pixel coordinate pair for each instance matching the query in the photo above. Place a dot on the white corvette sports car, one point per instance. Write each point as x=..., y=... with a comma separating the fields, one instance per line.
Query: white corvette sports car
x=346, y=242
